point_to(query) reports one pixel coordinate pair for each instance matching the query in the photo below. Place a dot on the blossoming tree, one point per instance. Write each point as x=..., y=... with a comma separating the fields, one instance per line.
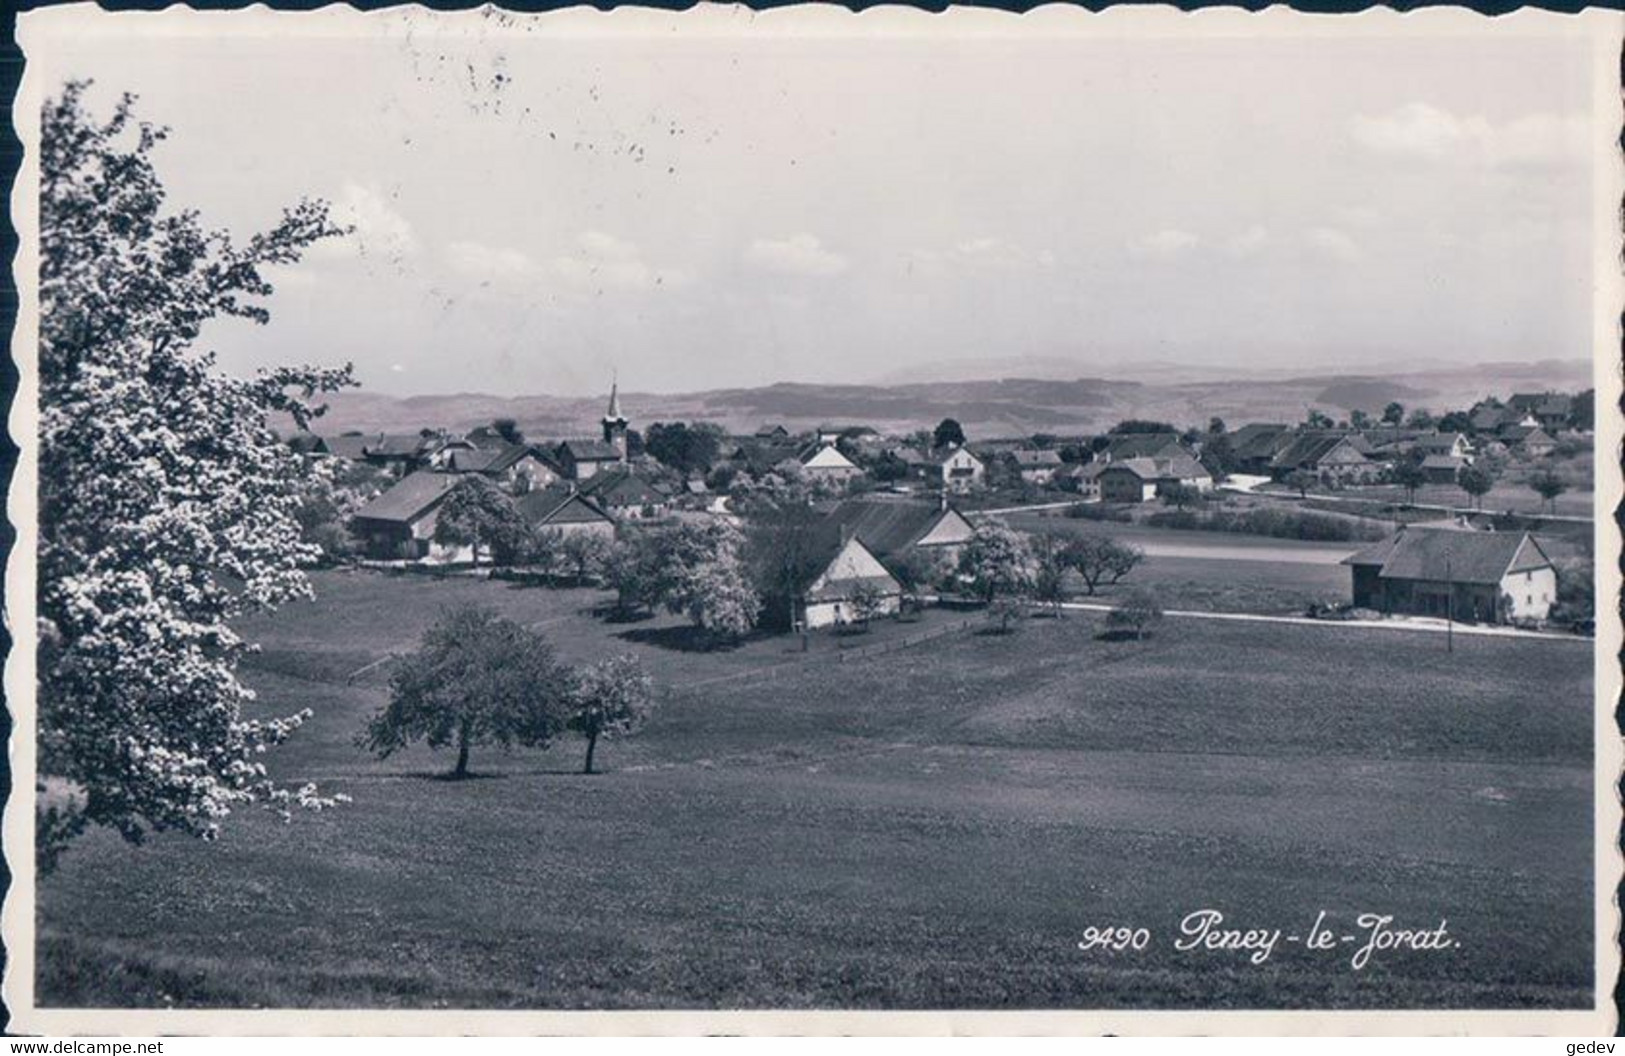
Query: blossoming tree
x=166, y=503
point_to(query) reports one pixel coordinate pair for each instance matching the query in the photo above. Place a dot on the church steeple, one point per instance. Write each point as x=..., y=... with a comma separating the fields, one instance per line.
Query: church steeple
x=615, y=422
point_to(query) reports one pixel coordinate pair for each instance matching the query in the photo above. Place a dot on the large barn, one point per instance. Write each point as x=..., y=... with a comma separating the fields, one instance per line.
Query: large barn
x=1446, y=570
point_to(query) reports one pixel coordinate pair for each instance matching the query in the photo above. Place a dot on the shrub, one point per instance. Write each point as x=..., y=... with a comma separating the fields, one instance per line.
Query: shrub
x=1135, y=614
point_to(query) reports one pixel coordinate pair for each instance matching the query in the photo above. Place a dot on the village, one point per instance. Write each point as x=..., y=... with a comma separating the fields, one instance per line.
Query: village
x=1452, y=516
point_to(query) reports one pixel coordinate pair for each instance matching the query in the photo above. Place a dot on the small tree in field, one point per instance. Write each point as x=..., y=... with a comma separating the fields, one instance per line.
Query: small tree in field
x=1098, y=559
x=1410, y=476
x=1476, y=481
x=1000, y=565
x=1179, y=495
x=476, y=678
x=476, y=513
x=585, y=554
x=1548, y=485
x=1135, y=614
x=1300, y=481
x=609, y=698
x=868, y=601
x=1049, y=578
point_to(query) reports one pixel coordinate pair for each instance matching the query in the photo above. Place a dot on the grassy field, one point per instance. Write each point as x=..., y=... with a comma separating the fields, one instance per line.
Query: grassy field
x=933, y=827
x=1241, y=573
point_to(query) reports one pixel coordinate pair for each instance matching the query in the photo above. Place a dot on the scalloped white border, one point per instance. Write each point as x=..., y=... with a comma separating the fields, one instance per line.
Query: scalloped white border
x=35, y=30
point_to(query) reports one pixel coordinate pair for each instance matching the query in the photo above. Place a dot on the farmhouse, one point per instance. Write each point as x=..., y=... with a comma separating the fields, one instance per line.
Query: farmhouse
x=581, y=459
x=893, y=527
x=563, y=509
x=507, y=463
x=1036, y=466
x=839, y=569
x=1550, y=409
x=1143, y=479
x=625, y=494
x=402, y=454
x=824, y=461
x=1122, y=446
x=399, y=524
x=1529, y=440
x=1255, y=445
x=1329, y=456
x=1454, y=445
x=952, y=468
x=1430, y=570
x=1443, y=469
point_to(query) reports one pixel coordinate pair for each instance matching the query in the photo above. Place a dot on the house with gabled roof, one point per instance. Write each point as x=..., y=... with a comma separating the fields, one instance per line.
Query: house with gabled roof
x=507, y=463
x=564, y=509
x=1530, y=441
x=626, y=494
x=399, y=524
x=1143, y=479
x=951, y=468
x=1550, y=409
x=581, y=458
x=1144, y=445
x=823, y=461
x=1036, y=465
x=1255, y=444
x=1455, y=571
x=838, y=568
x=895, y=526
x=1332, y=457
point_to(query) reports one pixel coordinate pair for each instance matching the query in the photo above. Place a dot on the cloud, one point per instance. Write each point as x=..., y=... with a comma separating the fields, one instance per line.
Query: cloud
x=598, y=262
x=978, y=253
x=1332, y=243
x=377, y=228
x=1248, y=243
x=1418, y=130
x=797, y=255
x=1163, y=245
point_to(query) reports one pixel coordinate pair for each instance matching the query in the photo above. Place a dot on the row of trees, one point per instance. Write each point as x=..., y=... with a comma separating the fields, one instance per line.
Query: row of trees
x=479, y=678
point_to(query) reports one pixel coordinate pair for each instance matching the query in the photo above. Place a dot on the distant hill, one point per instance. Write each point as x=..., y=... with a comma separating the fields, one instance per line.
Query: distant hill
x=1013, y=406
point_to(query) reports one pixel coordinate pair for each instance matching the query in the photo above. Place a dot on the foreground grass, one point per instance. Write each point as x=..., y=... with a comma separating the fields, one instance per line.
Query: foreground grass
x=931, y=828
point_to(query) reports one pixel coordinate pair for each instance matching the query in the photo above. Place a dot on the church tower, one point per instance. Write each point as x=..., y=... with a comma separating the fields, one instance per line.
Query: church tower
x=615, y=422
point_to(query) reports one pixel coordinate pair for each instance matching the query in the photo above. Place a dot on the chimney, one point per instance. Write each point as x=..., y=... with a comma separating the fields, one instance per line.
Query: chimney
x=942, y=500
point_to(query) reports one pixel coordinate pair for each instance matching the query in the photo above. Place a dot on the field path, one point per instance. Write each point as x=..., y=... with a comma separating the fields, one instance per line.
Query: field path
x=1414, y=623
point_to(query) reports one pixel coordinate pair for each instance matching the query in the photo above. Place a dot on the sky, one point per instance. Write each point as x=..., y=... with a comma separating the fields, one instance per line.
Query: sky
x=538, y=213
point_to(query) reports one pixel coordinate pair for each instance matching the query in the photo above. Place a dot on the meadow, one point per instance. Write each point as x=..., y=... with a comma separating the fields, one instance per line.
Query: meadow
x=934, y=827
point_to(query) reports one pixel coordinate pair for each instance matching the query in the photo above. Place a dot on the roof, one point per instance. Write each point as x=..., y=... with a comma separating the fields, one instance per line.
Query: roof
x=410, y=499
x=488, y=459
x=1523, y=434
x=399, y=445
x=889, y=526
x=763, y=455
x=768, y=431
x=824, y=456
x=620, y=488
x=1142, y=445
x=1439, y=441
x=558, y=504
x=588, y=451
x=824, y=544
x=1459, y=555
x=1308, y=449
x=1443, y=462
x=1257, y=439
x=1181, y=467
x=1029, y=459
x=351, y=446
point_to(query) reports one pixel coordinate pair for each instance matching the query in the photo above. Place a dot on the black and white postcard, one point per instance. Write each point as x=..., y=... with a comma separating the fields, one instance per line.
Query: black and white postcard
x=719, y=521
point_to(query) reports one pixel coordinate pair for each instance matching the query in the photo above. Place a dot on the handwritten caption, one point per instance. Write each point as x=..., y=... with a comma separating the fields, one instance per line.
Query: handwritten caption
x=1207, y=930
